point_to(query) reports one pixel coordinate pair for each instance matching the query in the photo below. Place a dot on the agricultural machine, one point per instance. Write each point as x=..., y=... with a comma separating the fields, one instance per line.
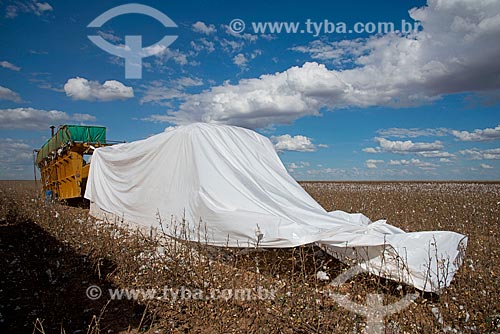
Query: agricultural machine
x=64, y=160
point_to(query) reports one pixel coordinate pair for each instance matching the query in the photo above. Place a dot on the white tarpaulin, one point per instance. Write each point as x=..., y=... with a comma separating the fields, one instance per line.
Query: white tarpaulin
x=231, y=188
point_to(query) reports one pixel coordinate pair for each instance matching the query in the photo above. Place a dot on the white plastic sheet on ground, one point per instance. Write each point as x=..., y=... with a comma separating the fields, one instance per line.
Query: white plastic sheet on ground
x=226, y=186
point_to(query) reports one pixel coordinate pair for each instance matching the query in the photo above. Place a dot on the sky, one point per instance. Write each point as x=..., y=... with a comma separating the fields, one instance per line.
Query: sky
x=340, y=94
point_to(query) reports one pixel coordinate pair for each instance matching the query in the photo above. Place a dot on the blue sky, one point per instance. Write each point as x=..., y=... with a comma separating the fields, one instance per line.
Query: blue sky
x=419, y=105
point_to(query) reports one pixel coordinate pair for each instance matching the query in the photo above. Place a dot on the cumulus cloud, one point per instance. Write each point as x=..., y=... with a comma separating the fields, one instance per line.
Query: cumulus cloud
x=478, y=134
x=409, y=70
x=203, y=28
x=162, y=93
x=293, y=143
x=83, y=89
x=203, y=44
x=414, y=162
x=436, y=154
x=403, y=147
x=254, y=103
x=15, y=151
x=426, y=61
x=371, y=150
x=413, y=132
x=9, y=95
x=230, y=46
x=398, y=162
x=339, y=53
x=372, y=163
x=187, y=82
x=478, y=154
x=485, y=166
x=172, y=54
x=240, y=60
x=110, y=36
x=32, y=6
x=16, y=159
x=291, y=167
x=10, y=66
x=36, y=119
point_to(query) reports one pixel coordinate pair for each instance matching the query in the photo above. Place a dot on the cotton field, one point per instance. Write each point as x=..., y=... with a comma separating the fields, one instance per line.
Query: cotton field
x=54, y=257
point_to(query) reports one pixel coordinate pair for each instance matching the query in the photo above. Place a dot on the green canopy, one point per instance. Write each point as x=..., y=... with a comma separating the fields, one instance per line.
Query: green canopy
x=72, y=133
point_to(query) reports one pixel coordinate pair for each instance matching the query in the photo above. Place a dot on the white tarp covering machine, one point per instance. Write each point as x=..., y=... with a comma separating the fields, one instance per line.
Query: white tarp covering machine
x=232, y=181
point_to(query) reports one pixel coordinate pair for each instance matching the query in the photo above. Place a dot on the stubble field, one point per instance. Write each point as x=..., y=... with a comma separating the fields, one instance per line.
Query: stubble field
x=51, y=254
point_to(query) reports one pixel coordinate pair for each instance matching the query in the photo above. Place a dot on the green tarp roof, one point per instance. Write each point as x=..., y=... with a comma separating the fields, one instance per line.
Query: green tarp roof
x=72, y=133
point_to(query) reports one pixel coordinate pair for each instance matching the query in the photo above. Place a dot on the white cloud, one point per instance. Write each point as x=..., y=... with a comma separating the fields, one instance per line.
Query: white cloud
x=403, y=147
x=10, y=66
x=171, y=54
x=36, y=119
x=477, y=154
x=202, y=28
x=409, y=70
x=436, y=154
x=44, y=80
x=162, y=93
x=187, y=82
x=485, y=166
x=9, y=95
x=43, y=7
x=440, y=59
x=83, y=89
x=110, y=36
x=296, y=143
x=424, y=164
x=254, y=103
x=414, y=162
x=255, y=53
x=82, y=117
x=240, y=60
x=30, y=6
x=398, y=162
x=335, y=52
x=293, y=166
x=372, y=163
x=413, y=132
x=230, y=46
x=15, y=151
x=338, y=173
x=478, y=134
x=371, y=150
x=203, y=44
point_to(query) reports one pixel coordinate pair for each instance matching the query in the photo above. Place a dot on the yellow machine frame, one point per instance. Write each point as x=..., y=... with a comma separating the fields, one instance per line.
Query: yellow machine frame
x=66, y=176
x=61, y=161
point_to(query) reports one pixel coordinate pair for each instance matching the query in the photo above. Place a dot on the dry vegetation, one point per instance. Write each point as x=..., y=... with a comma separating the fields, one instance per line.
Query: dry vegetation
x=52, y=253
